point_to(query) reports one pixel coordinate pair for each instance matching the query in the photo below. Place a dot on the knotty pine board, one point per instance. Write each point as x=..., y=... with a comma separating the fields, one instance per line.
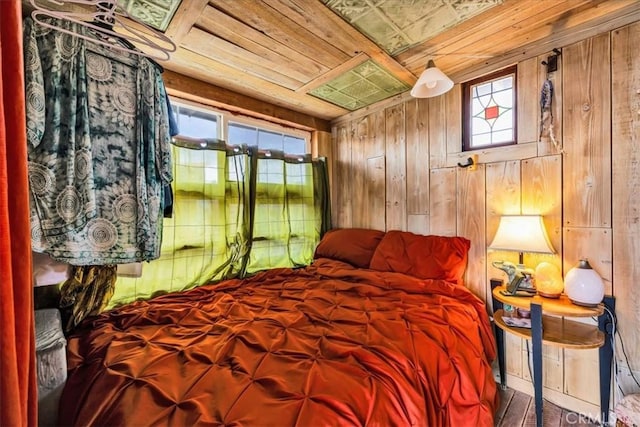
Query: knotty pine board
x=417, y=116
x=626, y=182
x=396, y=168
x=342, y=191
x=587, y=133
x=503, y=198
x=542, y=195
x=470, y=224
x=453, y=119
x=359, y=202
x=528, y=108
x=594, y=244
x=376, y=194
x=442, y=202
x=437, y=132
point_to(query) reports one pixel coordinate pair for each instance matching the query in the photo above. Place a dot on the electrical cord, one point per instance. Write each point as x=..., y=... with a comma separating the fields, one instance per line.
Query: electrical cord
x=616, y=332
x=529, y=364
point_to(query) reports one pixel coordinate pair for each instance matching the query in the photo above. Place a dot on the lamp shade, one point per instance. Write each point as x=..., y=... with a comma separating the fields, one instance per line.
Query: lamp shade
x=432, y=82
x=522, y=233
x=583, y=285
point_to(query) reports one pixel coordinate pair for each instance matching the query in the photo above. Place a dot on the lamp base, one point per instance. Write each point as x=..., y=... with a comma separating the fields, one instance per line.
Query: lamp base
x=584, y=304
x=548, y=295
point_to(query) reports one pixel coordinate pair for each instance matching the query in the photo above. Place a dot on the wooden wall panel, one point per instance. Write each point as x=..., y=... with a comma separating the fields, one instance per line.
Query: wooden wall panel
x=594, y=244
x=359, y=210
x=442, y=202
x=322, y=146
x=571, y=189
x=341, y=193
x=626, y=182
x=376, y=194
x=587, y=133
x=503, y=198
x=542, y=195
x=437, y=132
x=453, y=108
x=470, y=224
x=418, y=224
x=576, y=383
x=552, y=366
x=396, y=168
x=377, y=135
x=417, y=116
x=528, y=101
x=513, y=356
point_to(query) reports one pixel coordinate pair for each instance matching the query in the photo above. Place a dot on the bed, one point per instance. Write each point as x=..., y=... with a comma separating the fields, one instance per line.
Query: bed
x=378, y=331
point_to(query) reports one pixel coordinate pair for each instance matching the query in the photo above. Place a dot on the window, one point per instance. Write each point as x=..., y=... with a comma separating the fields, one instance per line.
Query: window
x=489, y=110
x=235, y=211
x=196, y=123
x=266, y=139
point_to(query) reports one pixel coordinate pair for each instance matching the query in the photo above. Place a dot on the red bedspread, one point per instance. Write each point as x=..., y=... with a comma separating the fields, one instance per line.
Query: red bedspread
x=325, y=345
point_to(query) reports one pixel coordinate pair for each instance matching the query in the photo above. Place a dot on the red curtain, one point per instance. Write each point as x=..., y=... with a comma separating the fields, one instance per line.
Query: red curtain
x=18, y=392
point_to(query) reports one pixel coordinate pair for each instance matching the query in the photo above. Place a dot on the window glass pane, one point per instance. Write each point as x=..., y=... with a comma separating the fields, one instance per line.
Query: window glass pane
x=505, y=83
x=476, y=108
x=485, y=100
x=481, y=139
x=502, y=136
x=483, y=89
x=294, y=145
x=196, y=124
x=480, y=126
x=270, y=140
x=504, y=121
x=240, y=134
x=490, y=112
x=504, y=98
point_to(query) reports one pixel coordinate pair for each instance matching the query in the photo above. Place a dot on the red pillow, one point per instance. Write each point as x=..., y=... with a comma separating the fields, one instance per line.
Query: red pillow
x=425, y=257
x=352, y=245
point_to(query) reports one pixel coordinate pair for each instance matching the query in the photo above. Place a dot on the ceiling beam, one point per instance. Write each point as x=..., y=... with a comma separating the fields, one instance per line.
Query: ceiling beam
x=204, y=93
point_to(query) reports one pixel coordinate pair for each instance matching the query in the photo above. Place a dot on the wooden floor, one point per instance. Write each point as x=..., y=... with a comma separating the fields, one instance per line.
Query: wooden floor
x=518, y=409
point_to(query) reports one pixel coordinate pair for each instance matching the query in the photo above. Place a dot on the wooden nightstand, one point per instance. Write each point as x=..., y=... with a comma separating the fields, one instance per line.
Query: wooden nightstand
x=557, y=331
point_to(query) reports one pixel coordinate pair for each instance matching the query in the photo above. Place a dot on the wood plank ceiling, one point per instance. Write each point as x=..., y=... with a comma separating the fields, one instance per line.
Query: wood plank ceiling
x=267, y=56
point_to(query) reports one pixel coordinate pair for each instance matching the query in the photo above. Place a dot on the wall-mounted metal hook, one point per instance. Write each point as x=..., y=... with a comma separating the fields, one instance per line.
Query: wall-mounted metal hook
x=552, y=61
x=469, y=163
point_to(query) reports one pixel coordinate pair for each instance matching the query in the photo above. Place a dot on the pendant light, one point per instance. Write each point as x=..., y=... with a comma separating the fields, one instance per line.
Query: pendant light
x=432, y=82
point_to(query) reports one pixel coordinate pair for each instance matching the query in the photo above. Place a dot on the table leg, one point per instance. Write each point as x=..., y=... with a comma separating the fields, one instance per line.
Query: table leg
x=500, y=344
x=536, y=343
x=499, y=334
x=605, y=324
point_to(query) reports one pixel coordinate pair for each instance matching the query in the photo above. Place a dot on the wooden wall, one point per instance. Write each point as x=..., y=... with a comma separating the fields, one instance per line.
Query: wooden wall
x=395, y=167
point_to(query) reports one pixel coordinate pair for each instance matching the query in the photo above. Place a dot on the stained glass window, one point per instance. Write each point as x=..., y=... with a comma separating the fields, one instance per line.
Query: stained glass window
x=490, y=110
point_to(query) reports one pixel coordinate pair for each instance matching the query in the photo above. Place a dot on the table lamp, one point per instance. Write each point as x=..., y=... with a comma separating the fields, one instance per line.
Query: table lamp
x=520, y=233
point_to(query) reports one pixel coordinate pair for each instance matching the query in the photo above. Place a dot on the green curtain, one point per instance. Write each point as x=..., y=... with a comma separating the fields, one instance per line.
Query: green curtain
x=286, y=223
x=237, y=210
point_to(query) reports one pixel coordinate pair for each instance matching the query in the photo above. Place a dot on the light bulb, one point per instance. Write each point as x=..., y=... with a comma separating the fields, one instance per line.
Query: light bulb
x=431, y=84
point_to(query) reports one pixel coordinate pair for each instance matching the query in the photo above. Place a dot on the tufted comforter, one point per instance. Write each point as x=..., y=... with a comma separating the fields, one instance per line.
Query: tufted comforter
x=326, y=345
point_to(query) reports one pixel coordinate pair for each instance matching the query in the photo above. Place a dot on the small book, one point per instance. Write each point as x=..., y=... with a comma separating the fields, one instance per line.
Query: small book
x=517, y=322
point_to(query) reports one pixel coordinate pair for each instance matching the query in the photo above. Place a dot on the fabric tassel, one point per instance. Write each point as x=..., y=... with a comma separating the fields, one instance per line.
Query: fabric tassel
x=86, y=293
x=546, y=113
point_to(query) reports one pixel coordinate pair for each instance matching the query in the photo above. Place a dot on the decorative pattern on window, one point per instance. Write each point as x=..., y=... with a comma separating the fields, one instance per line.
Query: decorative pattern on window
x=490, y=113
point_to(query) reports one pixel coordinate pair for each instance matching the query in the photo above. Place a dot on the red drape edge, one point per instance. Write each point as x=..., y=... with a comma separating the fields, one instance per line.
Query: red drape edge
x=18, y=390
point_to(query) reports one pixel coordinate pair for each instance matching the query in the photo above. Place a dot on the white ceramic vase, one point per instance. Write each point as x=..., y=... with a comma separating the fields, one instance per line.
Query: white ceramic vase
x=583, y=285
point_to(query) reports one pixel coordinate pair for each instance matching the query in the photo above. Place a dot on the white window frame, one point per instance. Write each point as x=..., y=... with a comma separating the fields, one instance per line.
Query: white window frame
x=225, y=117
